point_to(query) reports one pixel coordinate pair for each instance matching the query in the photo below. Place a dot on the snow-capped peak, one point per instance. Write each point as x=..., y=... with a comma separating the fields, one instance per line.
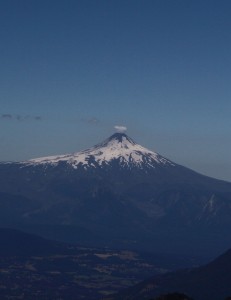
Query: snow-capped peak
x=118, y=148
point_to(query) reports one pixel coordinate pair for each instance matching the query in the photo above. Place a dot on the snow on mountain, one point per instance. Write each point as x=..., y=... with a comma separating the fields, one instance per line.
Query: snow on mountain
x=119, y=147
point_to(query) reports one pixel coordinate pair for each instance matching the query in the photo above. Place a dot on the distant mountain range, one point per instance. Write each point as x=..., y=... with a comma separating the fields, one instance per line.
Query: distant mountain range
x=118, y=194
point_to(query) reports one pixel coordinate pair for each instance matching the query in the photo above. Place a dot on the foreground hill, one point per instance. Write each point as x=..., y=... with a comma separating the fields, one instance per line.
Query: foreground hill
x=209, y=282
x=118, y=194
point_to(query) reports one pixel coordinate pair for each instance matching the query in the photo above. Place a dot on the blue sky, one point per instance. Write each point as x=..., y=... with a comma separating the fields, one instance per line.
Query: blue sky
x=71, y=70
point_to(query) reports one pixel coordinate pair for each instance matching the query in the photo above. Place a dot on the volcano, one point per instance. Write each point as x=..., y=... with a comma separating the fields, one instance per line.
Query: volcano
x=117, y=193
x=118, y=148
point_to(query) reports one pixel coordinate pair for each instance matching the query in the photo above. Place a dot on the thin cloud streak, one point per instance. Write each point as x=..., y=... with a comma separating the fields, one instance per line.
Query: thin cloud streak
x=20, y=118
x=91, y=121
x=6, y=116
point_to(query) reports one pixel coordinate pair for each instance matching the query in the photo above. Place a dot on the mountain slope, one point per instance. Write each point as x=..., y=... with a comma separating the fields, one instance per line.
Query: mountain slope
x=119, y=147
x=209, y=282
x=19, y=244
x=117, y=193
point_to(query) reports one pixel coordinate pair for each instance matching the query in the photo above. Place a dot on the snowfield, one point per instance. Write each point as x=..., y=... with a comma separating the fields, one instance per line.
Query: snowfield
x=119, y=147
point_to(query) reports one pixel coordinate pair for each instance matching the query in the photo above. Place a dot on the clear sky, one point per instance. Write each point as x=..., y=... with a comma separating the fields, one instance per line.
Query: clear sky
x=71, y=70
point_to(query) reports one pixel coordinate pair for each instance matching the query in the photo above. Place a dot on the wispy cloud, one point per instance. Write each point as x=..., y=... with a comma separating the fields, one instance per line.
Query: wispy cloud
x=91, y=120
x=38, y=118
x=6, y=116
x=20, y=117
x=120, y=128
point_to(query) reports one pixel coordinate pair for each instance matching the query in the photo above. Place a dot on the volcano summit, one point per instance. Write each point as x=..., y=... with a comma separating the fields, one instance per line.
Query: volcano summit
x=117, y=193
x=118, y=148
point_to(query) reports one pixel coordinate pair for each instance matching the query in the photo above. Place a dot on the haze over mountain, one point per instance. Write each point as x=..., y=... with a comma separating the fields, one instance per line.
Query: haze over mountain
x=117, y=193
